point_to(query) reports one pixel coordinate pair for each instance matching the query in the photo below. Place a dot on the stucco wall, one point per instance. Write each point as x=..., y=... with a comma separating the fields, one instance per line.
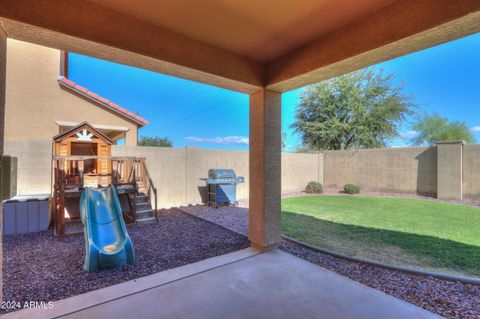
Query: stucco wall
x=405, y=170
x=3, y=78
x=35, y=100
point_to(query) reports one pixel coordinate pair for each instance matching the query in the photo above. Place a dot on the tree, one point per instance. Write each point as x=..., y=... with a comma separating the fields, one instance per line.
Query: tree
x=432, y=128
x=155, y=141
x=362, y=109
x=284, y=140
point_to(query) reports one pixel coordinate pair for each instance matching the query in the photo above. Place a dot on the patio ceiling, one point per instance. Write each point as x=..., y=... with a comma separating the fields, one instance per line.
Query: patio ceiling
x=259, y=30
x=242, y=45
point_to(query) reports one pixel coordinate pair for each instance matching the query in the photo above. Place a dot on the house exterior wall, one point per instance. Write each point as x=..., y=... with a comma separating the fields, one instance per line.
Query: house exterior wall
x=35, y=100
x=3, y=77
x=34, y=173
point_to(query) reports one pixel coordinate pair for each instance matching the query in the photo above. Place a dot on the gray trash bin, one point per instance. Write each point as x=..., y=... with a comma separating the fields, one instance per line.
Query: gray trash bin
x=26, y=214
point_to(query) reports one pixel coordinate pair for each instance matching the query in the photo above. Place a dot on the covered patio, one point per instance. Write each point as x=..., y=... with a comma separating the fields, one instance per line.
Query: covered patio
x=260, y=48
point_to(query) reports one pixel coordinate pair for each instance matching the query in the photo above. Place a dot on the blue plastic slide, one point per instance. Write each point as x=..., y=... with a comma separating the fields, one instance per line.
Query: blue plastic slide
x=107, y=243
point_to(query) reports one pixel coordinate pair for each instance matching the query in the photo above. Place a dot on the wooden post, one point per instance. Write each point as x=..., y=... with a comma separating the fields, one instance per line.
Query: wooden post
x=56, y=194
x=81, y=168
x=60, y=218
x=134, y=179
x=134, y=207
x=111, y=172
x=156, y=210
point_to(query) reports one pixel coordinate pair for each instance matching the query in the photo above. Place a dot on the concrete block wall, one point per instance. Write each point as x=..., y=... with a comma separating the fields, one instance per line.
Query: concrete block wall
x=167, y=167
x=471, y=171
x=450, y=173
x=299, y=169
x=402, y=170
x=177, y=172
x=199, y=161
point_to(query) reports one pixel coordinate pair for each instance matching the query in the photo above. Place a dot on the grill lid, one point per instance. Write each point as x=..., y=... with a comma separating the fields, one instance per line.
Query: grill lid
x=221, y=173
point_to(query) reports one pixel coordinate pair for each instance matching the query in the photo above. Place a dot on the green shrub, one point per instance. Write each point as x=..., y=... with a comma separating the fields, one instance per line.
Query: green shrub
x=351, y=188
x=314, y=188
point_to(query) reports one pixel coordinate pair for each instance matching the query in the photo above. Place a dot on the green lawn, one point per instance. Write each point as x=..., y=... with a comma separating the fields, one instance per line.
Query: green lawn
x=424, y=234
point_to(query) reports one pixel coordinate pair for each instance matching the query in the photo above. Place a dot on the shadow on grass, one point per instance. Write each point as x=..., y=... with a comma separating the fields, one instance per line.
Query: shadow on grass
x=389, y=246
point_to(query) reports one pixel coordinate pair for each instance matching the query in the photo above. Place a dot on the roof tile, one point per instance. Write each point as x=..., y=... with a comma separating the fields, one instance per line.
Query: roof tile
x=80, y=88
x=121, y=109
x=95, y=96
x=114, y=105
x=101, y=100
x=70, y=83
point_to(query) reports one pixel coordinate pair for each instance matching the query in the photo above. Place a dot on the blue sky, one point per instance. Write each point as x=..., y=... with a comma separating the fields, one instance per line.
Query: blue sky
x=445, y=79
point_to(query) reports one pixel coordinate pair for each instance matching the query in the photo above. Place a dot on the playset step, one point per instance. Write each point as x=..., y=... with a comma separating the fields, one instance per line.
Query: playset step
x=145, y=220
x=143, y=206
x=145, y=216
x=142, y=199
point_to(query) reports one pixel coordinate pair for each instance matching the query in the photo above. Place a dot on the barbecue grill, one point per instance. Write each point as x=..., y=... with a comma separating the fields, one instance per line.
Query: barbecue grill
x=222, y=187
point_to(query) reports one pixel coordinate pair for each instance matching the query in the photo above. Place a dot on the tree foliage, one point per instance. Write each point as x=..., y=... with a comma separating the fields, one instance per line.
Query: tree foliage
x=155, y=141
x=362, y=109
x=284, y=140
x=432, y=128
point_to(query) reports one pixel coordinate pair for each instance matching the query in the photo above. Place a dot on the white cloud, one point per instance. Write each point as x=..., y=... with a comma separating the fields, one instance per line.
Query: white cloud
x=475, y=128
x=409, y=134
x=238, y=140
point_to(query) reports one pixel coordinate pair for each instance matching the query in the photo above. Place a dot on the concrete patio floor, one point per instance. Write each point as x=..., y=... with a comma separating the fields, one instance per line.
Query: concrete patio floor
x=243, y=284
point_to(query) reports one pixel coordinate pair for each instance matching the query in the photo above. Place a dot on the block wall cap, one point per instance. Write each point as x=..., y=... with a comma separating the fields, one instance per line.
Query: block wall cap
x=451, y=142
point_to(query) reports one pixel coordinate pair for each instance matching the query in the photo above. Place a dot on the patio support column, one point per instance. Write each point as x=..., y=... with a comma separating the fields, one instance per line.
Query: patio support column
x=265, y=169
x=3, y=75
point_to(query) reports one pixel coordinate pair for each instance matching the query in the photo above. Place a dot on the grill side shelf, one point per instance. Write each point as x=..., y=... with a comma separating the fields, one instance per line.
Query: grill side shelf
x=236, y=180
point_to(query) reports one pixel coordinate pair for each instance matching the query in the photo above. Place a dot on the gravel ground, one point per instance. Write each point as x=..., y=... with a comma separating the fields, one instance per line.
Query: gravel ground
x=39, y=267
x=449, y=299
x=233, y=218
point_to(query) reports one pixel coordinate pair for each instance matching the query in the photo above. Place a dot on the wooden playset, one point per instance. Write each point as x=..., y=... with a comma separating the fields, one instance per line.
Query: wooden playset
x=82, y=158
